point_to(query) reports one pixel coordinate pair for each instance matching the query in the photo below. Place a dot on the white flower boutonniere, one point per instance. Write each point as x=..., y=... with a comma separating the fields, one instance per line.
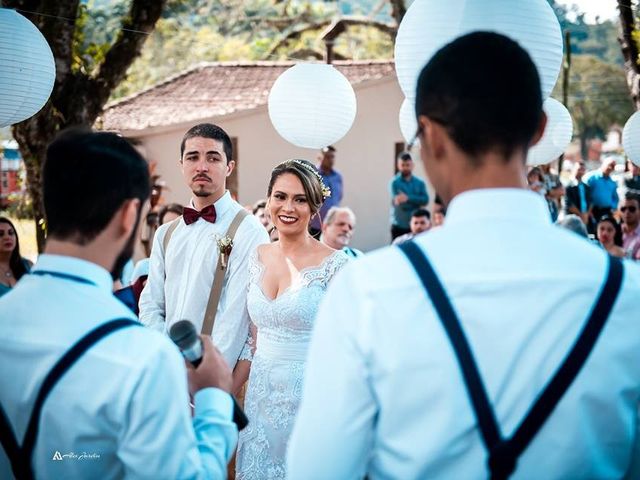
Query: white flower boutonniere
x=225, y=245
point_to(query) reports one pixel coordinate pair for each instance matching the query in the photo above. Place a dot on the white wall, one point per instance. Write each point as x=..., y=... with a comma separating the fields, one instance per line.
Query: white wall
x=365, y=157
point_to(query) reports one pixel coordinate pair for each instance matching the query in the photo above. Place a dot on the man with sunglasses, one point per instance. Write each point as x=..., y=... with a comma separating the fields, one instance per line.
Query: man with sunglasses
x=630, y=210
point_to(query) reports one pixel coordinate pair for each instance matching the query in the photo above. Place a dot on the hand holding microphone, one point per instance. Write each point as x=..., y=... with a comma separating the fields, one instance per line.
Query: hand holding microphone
x=209, y=367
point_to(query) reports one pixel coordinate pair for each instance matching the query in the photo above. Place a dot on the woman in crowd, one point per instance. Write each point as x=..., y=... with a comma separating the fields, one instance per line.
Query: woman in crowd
x=609, y=234
x=288, y=278
x=12, y=265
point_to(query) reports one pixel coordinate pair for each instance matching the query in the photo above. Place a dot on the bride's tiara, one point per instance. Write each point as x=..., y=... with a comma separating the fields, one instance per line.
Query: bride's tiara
x=326, y=192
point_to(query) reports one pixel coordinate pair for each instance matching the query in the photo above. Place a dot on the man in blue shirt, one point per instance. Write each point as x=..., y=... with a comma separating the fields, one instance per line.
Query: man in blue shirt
x=408, y=193
x=122, y=410
x=333, y=180
x=603, y=190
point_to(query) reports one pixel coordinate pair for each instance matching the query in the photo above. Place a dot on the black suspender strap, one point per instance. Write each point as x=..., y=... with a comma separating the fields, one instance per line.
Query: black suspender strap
x=504, y=453
x=20, y=457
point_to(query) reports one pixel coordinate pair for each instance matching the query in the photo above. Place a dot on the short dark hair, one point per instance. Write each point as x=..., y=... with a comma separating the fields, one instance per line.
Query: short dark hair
x=404, y=156
x=328, y=148
x=485, y=90
x=171, y=207
x=630, y=196
x=86, y=177
x=260, y=204
x=617, y=237
x=421, y=212
x=214, y=132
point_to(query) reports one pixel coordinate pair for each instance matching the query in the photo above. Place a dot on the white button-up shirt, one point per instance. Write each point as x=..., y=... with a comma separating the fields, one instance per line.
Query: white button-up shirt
x=122, y=410
x=383, y=391
x=180, y=280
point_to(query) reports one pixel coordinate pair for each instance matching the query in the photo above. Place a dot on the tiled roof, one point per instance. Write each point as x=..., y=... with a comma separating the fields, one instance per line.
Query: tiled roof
x=216, y=89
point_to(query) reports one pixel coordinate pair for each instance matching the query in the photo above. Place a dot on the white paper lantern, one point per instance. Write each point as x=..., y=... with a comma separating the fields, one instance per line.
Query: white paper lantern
x=557, y=134
x=631, y=138
x=408, y=122
x=312, y=105
x=27, y=68
x=428, y=25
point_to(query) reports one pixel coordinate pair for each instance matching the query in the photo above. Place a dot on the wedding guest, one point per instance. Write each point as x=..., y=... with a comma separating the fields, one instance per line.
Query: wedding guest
x=609, y=234
x=337, y=230
x=12, y=265
x=169, y=212
x=287, y=282
x=427, y=359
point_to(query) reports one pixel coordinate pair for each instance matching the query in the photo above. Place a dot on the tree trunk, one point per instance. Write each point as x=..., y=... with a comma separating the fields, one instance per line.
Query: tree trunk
x=77, y=98
x=629, y=50
x=584, y=146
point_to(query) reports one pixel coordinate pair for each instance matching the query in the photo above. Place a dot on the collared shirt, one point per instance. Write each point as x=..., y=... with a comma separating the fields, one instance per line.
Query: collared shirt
x=332, y=180
x=180, y=280
x=416, y=190
x=631, y=243
x=125, y=400
x=383, y=391
x=603, y=190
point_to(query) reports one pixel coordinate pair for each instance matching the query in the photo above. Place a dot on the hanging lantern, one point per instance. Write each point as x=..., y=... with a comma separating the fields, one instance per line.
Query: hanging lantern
x=631, y=138
x=312, y=105
x=408, y=122
x=557, y=134
x=27, y=68
x=429, y=25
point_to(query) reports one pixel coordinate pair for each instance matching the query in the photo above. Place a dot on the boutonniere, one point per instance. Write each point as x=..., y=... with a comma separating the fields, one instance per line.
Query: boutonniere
x=225, y=245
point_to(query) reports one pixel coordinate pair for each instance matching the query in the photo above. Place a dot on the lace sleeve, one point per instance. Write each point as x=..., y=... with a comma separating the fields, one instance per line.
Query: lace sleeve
x=335, y=263
x=249, y=347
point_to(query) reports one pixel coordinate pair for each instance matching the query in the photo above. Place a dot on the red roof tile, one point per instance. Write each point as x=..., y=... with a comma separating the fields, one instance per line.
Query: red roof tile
x=216, y=89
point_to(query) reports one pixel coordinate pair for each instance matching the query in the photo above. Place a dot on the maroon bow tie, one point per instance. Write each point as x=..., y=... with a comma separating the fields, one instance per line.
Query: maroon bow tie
x=208, y=213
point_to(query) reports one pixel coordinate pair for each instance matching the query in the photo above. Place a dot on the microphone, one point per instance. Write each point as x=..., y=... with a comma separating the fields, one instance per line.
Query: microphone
x=184, y=335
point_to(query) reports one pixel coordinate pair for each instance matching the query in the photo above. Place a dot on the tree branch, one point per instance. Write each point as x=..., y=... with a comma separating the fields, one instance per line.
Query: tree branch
x=398, y=9
x=629, y=49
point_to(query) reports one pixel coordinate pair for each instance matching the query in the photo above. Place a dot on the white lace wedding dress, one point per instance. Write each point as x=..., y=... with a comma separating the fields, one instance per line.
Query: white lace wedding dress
x=275, y=383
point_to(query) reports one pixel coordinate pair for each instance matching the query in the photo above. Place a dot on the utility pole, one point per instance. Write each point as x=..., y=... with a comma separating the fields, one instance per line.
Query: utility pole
x=566, y=66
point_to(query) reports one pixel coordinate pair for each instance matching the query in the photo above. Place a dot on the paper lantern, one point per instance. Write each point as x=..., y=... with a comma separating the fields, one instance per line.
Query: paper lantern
x=27, y=68
x=631, y=138
x=408, y=122
x=428, y=25
x=312, y=105
x=557, y=134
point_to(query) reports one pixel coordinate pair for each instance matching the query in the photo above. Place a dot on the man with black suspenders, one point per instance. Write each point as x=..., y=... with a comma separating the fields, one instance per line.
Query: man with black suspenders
x=85, y=390
x=497, y=345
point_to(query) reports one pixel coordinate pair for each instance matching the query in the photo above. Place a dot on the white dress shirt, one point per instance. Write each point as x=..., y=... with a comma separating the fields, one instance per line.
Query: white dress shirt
x=180, y=280
x=383, y=391
x=122, y=410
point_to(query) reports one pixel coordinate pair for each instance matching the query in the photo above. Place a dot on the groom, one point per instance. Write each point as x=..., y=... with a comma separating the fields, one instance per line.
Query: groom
x=185, y=252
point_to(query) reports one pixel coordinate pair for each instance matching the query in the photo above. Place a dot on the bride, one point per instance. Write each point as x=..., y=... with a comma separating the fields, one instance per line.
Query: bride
x=288, y=278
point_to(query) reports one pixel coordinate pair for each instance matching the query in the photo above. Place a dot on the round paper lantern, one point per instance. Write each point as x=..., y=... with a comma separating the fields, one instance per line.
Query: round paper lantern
x=631, y=138
x=557, y=134
x=408, y=122
x=428, y=25
x=27, y=68
x=312, y=105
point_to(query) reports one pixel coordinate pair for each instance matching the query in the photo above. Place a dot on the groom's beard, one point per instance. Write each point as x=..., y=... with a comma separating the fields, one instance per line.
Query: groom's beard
x=126, y=253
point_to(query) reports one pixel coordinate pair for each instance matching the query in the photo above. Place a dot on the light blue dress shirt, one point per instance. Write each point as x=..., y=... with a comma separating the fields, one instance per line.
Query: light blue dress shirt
x=604, y=192
x=383, y=393
x=122, y=411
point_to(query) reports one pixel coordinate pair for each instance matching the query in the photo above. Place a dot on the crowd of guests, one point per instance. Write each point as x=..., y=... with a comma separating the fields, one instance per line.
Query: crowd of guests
x=349, y=368
x=608, y=210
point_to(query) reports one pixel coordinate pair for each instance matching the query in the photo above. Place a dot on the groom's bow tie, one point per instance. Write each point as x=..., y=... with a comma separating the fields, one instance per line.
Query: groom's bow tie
x=208, y=213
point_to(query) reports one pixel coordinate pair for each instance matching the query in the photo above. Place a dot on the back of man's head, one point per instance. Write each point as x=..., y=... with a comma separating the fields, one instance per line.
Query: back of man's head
x=485, y=90
x=86, y=178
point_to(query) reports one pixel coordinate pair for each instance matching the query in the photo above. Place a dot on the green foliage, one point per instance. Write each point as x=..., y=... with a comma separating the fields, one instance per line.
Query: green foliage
x=598, y=96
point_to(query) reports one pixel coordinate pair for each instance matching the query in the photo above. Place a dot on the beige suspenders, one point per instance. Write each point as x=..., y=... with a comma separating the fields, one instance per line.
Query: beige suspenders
x=218, y=278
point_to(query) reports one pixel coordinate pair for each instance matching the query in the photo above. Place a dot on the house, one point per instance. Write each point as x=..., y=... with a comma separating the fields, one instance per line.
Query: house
x=234, y=96
x=10, y=171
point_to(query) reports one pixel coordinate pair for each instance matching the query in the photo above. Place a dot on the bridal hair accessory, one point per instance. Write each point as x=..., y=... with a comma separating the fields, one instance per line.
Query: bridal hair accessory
x=225, y=245
x=326, y=192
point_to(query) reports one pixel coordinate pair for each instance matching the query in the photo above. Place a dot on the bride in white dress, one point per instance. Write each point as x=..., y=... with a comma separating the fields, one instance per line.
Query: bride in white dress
x=288, y=278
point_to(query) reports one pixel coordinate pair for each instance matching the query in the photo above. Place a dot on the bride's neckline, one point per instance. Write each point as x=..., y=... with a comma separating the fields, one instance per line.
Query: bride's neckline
x=302, y=271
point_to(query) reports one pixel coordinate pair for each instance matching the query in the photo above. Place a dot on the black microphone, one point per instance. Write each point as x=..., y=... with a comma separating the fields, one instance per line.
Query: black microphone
x=184, y=335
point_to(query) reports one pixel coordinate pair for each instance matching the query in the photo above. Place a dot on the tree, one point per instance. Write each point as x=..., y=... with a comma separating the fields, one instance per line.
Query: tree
x=629, y=37
x=598, y=97
x=86, y=74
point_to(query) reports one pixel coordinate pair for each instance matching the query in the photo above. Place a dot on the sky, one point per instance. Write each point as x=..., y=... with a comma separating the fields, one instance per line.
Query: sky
x=606, y=9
